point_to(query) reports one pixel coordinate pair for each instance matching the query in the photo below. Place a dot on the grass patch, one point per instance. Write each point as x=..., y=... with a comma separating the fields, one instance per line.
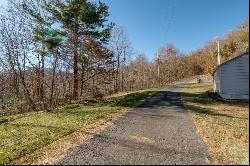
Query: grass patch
x=222, y=125
x=21, y=135
x=128, y=100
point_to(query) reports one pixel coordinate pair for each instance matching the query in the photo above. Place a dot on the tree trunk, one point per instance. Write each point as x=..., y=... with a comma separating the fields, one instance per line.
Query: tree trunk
x=117, y=86
x=53, y=79
x=123, y=68
x=16, y=83
x=42, y=79
x=82, y=77
x=75, y=68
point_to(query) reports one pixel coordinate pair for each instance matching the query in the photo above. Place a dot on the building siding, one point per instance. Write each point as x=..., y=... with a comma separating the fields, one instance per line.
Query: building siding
x=231, y=80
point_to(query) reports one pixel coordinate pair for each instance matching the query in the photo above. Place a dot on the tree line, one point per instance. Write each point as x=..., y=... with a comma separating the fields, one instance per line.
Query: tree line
x=55, y=52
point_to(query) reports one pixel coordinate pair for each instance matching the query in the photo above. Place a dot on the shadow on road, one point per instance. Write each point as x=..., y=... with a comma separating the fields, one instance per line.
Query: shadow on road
x=163, y=99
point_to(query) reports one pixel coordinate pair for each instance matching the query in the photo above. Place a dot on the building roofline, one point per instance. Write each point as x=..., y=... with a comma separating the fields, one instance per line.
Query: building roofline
x=229, y=61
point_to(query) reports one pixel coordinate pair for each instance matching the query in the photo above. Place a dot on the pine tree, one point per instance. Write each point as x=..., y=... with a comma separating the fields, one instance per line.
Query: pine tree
x=75, y=20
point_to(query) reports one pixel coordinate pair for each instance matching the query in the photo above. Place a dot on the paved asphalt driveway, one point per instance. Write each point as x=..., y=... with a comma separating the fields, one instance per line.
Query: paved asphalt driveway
x=158, y=131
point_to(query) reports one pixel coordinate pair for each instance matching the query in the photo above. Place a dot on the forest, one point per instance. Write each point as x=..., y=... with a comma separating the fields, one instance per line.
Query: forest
x=54, y=53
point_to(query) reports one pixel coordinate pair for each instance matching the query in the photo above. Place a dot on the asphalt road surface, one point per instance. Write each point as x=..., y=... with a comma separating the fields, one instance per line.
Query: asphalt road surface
x=158, y=131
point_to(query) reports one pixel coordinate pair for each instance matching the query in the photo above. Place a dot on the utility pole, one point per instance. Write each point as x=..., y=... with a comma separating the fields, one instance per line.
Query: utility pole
x=219, y=58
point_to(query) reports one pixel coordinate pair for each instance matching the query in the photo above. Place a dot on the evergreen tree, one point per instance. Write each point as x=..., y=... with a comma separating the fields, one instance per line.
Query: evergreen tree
x=75, y=20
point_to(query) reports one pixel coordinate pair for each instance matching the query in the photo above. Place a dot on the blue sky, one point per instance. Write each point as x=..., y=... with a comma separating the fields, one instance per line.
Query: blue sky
x=188, y=24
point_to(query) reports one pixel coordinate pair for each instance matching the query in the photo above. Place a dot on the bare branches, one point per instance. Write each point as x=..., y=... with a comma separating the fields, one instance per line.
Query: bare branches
x=34, y=77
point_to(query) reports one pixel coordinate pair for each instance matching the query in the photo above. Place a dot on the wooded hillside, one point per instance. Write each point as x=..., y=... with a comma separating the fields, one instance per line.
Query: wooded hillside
x=56, y=52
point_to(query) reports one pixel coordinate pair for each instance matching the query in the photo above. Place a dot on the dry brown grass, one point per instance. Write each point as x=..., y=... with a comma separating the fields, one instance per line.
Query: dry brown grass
x=224, y=126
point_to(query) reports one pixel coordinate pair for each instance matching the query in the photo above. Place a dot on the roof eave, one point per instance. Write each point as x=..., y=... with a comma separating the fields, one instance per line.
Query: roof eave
x=229, y=61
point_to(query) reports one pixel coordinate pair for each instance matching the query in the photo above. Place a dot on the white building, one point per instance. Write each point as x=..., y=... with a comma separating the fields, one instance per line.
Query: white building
x=231, y=79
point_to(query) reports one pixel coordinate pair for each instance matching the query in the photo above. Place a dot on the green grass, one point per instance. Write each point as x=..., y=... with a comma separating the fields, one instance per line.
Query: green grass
x=23, y=134
x=129, y=100
x=222, y=125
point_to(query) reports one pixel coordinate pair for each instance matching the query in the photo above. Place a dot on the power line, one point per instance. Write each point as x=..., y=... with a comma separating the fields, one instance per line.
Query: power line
x=171, y=8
